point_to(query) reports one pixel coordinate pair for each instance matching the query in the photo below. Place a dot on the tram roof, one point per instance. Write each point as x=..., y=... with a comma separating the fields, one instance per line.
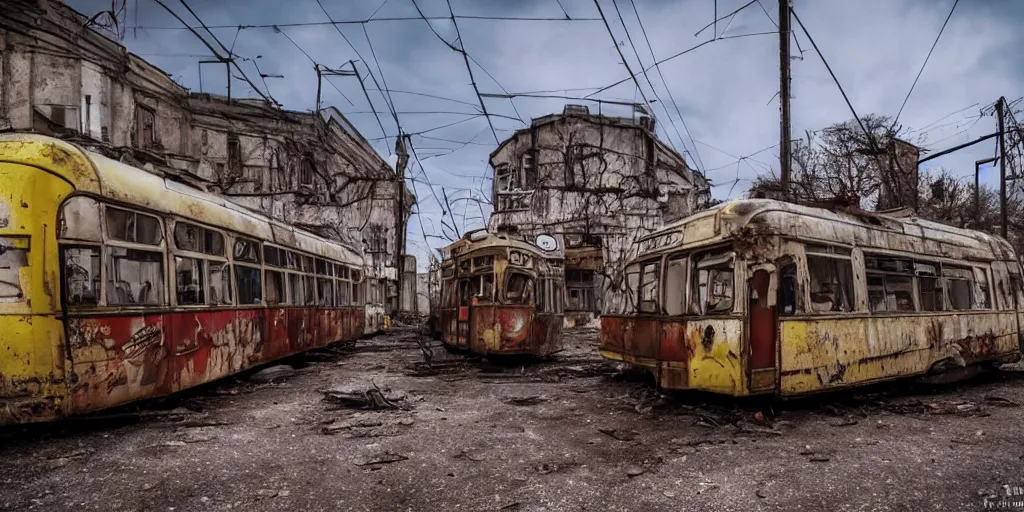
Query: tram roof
x=758, y=217
x=482, y=239
x=94, y=174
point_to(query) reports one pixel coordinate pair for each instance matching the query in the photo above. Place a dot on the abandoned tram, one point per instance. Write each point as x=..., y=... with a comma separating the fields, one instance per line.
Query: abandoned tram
x=118, y=285
x=766, y=297
x=502, y=294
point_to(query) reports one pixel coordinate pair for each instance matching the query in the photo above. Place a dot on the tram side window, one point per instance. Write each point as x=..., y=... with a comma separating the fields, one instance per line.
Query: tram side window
x=519, y=289
x=650, y=274
x=982, y=297
x=890, y=284
x=930, y=286
x=326, y=286
x=134, y=278
x=275, y=287
x=675, y=284
x=787, y=288
x=357, y=295
x=247, y=280
x=713, y=286
x=189, y=237
x=295, y=295
x=81, y=275
x=191, y=288
x=968, y=288
x=831, y=284
x=129, y=226
x=310, y=290
x=219, y=277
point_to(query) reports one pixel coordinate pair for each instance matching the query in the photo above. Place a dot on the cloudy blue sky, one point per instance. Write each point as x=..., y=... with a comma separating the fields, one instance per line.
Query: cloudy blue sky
x=726, y=90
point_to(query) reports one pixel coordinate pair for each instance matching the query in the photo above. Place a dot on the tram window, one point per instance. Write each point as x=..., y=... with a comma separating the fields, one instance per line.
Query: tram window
x=465, y=292
x=326, y=290
x=649, y=277
x=134, y=278
x=191, y=289
x=675, y=284
x=310, y=290
x=831, y=284
x=275, y=287
x=958, y=282
x=344, y=273
x=295, y=295
x=219, y=279
x=344, y=293
x=271, y=256
x=129, y=226
x=307, y=264
x=787, y=289
x=247, y=250
x=321, y=267
x=982, y=297
x=519, y=289
x=357, y=295
x=930, y=287
x=713, y=286
x=81, y=275
x=357, y=275
x=80, y=219
x=482, y=262
x=190, y=237
x=247, y=280
x=887, y=292
x=632, y=287
x=289, y=259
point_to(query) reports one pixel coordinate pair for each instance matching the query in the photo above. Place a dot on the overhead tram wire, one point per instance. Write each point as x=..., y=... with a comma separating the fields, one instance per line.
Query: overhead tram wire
x=925, y=63
x=664, y=82
x=640, y=61
x=214, y=50
x=625, y=62
x=317, y=64
x=376, y=20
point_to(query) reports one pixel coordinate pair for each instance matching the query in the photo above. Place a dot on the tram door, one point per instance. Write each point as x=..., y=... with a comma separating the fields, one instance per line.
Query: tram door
x=762, y=331
x=462, y=323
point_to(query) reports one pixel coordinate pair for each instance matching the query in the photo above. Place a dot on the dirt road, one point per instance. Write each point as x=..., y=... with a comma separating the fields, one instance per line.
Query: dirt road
x=570, y=434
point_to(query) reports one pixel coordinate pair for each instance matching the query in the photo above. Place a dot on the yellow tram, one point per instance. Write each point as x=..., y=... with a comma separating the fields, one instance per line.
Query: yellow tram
x=502, y=295
x=117, y=284
x=761, y=296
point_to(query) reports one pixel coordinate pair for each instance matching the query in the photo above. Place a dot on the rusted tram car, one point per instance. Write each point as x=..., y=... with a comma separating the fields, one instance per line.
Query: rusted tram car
x=502, y=295
x=117, y=284
x=766, y=297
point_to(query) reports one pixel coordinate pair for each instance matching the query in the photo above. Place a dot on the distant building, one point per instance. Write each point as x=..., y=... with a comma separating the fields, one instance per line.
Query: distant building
x=600, y=181
x=315, y=170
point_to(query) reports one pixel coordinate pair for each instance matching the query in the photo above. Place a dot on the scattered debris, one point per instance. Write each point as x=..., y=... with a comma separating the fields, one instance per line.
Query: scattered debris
x=406, y=422
x=527, y=400
x=363, y=399
x=512, y=506
x=465, y=454
x=760, y=494
x=619, y=434
x=387, y=457
x=999, y=401
x=669, y=494
x=706, y=486
x=268, y=375
x=819, y=458
x=807, y=450
x=635, y=471
x=747, y=428
x=844, y=422
x=335, y=428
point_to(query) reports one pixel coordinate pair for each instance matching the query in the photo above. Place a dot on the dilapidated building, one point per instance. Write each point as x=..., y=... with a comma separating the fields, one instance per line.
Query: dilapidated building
x=602, y=182
x=61, y=76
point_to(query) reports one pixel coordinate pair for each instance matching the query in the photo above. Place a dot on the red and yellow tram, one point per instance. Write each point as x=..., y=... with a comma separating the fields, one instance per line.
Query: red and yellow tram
x=502, y=295
x=117, y=284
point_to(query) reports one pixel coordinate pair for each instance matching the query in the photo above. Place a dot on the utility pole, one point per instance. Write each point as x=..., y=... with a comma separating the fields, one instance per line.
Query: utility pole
x=403, y=159
x=785, y=79
x=1000, y=104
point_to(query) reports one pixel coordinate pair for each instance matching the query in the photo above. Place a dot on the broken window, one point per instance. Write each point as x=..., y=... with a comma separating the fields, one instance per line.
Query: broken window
x=982, y=298
x=831, y=283
x=503, y=178
x=930, y=286
x=129, y=226
x=81, y=276
x=675, y=285
x=483, y=262
x=713, y=286
x=306, y=171
x=650, y=274
x=247, y=250
x=145, y=127
x=890, y=283
x=247, y=280
x=80, y=219
x=134, y=278
x=190, y=286
x=275, y=287
x=519, y=289
x=190, y=237
x=219, y=279
x=529, y=171
x=14, y=252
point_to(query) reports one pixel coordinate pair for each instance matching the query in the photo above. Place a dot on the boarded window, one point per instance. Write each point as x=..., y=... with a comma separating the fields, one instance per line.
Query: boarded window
x=275, y=287
x=189, y=237
x=247, y=280
x=134, y=278
x=81, y=277
x=675, y=285
x=219, y=279
x=712, y=288
x=190, y=288
x=129, y=226
x=650, y=274
x=831, y=284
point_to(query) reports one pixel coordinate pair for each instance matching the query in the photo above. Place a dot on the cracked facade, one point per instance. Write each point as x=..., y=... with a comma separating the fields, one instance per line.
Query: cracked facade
x=602, y=182
x=60, y=77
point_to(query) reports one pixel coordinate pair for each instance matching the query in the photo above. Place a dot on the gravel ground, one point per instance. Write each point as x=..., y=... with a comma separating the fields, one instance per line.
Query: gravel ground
x=572, y=433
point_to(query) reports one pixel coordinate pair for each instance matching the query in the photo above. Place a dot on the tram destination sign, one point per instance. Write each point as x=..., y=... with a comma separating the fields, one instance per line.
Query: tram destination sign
x=661, y=241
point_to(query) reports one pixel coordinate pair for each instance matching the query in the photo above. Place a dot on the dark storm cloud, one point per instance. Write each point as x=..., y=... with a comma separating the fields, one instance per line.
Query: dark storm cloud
x=725, y=90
